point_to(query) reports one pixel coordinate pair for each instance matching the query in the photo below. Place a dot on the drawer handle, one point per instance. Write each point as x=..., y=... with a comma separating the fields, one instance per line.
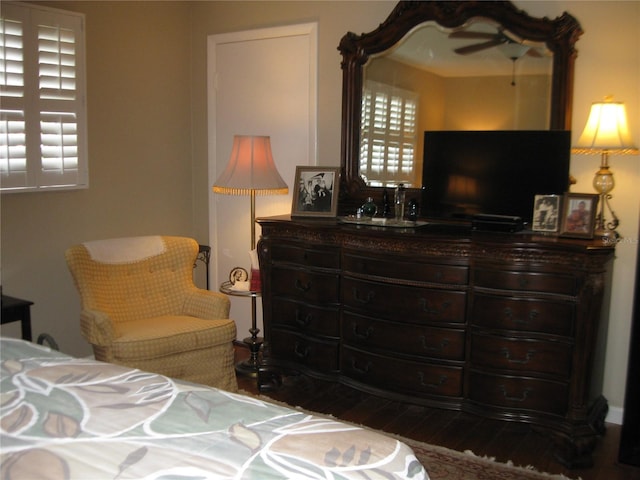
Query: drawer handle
x=434, y=386
x=361, y=336
x=522, y=361
x=437, y=348
x=300, y=352
x=522, y=398
x=362, y=371
x=302, y=321
x=533, y=314
x=435, y=311
x=369, y=298
x=301, y=287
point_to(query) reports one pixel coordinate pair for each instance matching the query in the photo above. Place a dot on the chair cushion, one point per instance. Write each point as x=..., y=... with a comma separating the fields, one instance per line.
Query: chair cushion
x=169, y=335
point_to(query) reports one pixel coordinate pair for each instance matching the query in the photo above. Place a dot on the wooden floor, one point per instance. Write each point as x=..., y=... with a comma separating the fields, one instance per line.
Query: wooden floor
x=459, y=431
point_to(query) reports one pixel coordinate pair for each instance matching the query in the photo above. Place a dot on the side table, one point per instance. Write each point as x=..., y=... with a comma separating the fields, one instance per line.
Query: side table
x=17, y=310
x=248, y=367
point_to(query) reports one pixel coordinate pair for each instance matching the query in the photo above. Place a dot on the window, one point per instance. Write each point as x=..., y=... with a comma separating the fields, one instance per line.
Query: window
x=42, y=93
x=388, y=143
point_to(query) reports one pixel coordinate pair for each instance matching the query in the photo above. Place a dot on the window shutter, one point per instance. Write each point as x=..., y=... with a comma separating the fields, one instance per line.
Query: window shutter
x=388, y=138
x=43, y=114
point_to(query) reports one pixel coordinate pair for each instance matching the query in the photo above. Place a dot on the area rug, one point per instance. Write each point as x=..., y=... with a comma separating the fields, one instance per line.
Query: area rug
x=445, y=464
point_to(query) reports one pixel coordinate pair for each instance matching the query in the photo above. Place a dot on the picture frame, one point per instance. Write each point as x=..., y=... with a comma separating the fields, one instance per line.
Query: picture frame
x=316, y=192
x=238, y=274
x=578, y=215
x=546, y=213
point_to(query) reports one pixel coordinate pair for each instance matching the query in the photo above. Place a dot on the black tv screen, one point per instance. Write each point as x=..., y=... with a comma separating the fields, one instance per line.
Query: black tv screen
x=492, y=172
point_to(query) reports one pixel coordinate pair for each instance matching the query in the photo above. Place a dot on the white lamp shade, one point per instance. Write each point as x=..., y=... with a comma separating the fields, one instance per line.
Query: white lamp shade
x=606, y=129
x=251, y=169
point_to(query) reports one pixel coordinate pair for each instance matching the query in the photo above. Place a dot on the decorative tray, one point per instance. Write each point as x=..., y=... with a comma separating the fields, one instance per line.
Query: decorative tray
x=381, y=222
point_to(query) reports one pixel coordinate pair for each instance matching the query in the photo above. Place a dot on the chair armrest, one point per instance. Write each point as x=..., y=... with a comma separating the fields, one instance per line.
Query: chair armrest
x=97, y=328
x=206, y=304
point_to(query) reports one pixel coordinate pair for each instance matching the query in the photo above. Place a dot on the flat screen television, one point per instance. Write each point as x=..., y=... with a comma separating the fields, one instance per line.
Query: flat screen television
x=492, y=172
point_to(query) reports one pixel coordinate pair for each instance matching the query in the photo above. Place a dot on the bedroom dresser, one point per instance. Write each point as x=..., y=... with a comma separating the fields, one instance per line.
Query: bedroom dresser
x=500, y=325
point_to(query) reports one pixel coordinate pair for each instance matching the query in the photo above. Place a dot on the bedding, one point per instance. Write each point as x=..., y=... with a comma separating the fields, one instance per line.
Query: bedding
x=64, y=417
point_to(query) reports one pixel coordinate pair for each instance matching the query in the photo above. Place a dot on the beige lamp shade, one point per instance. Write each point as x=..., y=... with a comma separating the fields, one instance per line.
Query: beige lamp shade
x=606, y=130
x=251, y=169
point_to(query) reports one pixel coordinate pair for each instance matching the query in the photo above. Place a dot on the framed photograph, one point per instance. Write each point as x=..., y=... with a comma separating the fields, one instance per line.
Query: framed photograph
x=238, y=274
x=578, y=215
x=316, y=192
x=546, y=213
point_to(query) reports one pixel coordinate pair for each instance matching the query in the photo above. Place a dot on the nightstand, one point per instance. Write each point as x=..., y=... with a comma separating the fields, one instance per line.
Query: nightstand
x=17, y=309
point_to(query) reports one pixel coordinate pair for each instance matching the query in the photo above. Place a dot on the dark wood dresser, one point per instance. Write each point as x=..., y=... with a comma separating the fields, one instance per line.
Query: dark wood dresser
x=495, y=324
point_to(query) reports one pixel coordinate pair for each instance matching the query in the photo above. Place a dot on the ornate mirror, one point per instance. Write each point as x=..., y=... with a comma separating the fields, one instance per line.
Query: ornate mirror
x=437, y=64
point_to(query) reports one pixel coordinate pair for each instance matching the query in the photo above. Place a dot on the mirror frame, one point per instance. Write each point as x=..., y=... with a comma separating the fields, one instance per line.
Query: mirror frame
x=559, y=35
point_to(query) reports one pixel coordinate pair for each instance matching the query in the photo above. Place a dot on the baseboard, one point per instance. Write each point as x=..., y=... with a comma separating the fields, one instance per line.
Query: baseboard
x=614, y=415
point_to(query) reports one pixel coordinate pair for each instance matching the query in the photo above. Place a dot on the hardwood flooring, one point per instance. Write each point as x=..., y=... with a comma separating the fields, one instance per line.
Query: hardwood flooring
x=455, y=430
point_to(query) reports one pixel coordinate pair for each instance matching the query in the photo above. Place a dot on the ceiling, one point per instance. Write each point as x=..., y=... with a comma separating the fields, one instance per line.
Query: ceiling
x=430, y=48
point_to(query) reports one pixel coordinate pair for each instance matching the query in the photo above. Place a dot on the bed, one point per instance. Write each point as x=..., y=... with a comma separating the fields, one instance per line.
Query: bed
x=65, y=417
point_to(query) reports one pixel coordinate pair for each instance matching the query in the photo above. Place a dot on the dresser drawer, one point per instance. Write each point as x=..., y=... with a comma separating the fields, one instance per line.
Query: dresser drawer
x=305, y=255
x=401, y=375
x=525, y=281
x=524, y=355
x=410, y=339
x=411, y=270
x=523, y=314
x=302, y=350
x=404, y=303
x=305, y=285
x=519, y=393
x=306, y=318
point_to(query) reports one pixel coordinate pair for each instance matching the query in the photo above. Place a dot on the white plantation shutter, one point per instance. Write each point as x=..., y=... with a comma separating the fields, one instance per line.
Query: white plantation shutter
x=42, y=87
x=388, y=139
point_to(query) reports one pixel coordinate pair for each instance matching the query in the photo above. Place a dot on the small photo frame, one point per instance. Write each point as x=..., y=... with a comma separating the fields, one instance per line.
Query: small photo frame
x=546, y=213
x=316, y=192
x=238, y=274
x=579, y=213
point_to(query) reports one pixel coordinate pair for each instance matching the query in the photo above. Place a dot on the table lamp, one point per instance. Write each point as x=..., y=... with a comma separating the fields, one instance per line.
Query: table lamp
x=251, y=171
x=606, y=132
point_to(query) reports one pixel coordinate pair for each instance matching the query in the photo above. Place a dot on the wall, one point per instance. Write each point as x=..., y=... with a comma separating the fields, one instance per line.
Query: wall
x=138, y=74
x=608, y=62
x=499, y=106
x=148, y=140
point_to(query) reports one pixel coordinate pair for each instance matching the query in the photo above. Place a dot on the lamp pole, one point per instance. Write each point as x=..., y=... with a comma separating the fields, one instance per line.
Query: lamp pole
x=250, y=367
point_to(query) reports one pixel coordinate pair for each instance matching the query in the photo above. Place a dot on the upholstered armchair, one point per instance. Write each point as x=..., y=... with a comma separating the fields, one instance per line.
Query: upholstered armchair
x=140, y=308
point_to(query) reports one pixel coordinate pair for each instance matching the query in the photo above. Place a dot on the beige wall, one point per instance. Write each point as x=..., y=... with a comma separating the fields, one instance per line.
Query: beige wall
x=148, y=138
x=138, y=71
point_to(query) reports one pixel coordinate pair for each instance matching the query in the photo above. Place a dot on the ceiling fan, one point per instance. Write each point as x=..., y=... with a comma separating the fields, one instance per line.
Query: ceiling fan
x=511, y=47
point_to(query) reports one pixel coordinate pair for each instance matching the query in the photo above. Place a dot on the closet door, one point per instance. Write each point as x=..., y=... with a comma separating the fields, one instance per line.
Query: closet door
x=260, y=82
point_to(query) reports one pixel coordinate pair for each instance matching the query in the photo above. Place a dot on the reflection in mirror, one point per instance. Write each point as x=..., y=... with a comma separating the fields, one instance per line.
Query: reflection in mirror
x=475, y=77
x=483, y=33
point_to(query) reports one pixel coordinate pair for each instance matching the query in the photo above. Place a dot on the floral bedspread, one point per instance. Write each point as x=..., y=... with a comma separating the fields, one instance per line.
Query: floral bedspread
x=63, y=417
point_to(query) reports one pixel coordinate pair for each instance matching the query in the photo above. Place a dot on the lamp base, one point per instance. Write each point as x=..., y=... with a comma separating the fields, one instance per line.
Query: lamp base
x=249, y=367
x=607, y=236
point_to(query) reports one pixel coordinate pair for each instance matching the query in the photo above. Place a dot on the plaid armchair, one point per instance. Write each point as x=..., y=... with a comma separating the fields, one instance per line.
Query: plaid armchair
x=140, y=308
